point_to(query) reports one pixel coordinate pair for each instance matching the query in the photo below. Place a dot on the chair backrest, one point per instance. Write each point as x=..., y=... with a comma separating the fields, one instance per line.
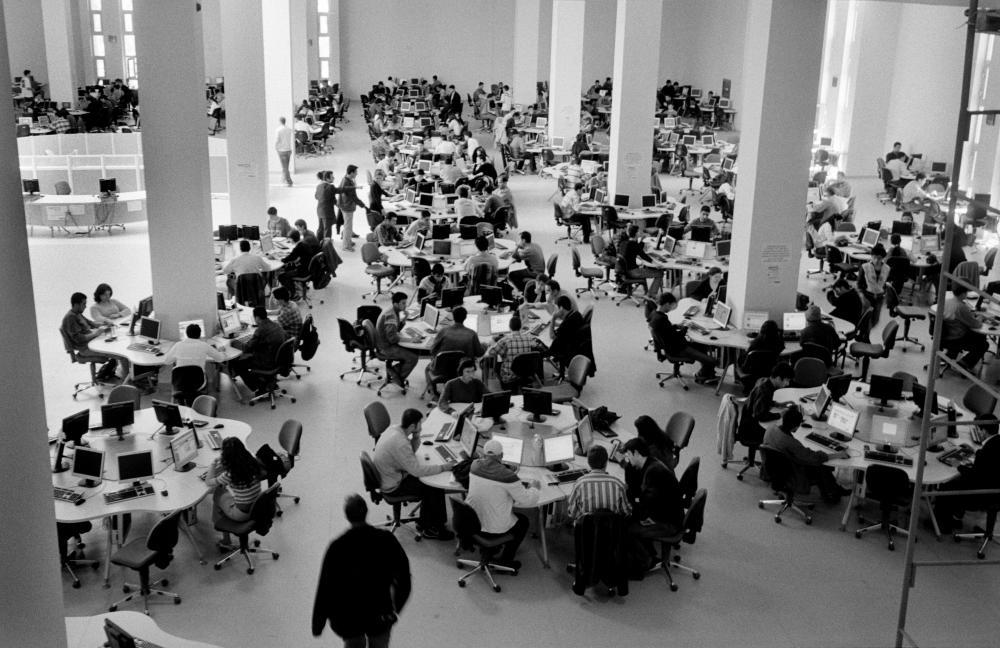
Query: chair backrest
x=62, y=188
x=689, y=481
x=909, y=380
x=780, y=469
x=576, y=260
x=124, y=394
x=694, y=519
x=892, y=297
x=691, y=286
x=250, y=289
x=889, y=337
x=550, y=267
x=347, y=334
x=421, y=269
x=597, y=245
x=588, y=316
x=576, y=375
x=446, y=364
x=809, y=372
x=163, y=537
x=205, y=405
x=464, y=519
x=370, y=253
x=368, y=312
x=990, y=258
x=759, y=363
x=284, y=357
x=968, y=271
x=377, y=419
x=679, y=429
x=263, y=509
x=527, y=366
x=886, y=483
x=290, y=436
x=979, y=401
x=483, y=274
x=371, y=480
x=187, y=379
x=816, y=351
x=368, y=339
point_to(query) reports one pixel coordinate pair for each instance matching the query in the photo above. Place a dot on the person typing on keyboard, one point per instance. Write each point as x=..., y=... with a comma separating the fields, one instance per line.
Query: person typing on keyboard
x=509, y=346
x=464, y=389
x=597, y=490
x=809, y=464
x=245, y=263
x=672, y=339
x=983, y=473
x=192, y=350
x=236, y=476
x=260, y=351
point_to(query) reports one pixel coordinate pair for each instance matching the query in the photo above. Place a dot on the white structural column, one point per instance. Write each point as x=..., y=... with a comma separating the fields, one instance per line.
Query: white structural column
x=32, y=613
x=633, y=97
x=248, y=133
x=335, y=45
x=175, y=152
x=59, y=34
x=566, y=68
x=299, y=48
x=982, y=152
x=526, y=19
x=781, y=70
x=279, y=100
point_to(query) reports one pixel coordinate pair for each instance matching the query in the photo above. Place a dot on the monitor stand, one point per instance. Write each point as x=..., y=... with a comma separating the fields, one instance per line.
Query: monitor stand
x=121, y=433
x=59, y=465
x=536, y=418
x=887, y=448
x=87, y=482
x=559, y=467
x=186, y=467
x=498, y=421
x=169, y=430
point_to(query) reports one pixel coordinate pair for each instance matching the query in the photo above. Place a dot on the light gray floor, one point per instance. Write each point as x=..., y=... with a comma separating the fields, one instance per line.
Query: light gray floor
x=762, y=584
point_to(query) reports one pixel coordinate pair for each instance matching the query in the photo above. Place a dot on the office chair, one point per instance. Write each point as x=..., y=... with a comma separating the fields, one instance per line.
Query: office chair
x=781, y=471
x=576, y=379
x=905, y=313
x=588, y=273
x=354, y=342
x=373, y=484
x=289, y=438
x=815, y=351
x=890, y=487
x=663, y=356
x=563, y=221
x=284, y=357
x=817, y=252
x=550, y=265
x=689, y=482
x=626, y=285
x=866, y=350
x=600, y=541
x=694, y=519
x=187, y=383
x=527, y=369
x=990, y=504
x=261, y=518
x=441, y=370
x=469, y=533
x=65, y=531
x=679, y=429
x=809, y=372
x=125, y=394
x=376, y=419
x=375, y=269
x=598, y=245
x=978, y=401
x=691, y=286
x=250, y=290
x=94, y=381
x=317, y=265
x=968, y=271
x=307, y=342
x=391, y=365
x=206, y=405
x=142, y=553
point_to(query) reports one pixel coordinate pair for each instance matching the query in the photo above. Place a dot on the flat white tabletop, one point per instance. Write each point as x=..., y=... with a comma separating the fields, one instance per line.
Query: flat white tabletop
x=89, y=199
x=88, y=632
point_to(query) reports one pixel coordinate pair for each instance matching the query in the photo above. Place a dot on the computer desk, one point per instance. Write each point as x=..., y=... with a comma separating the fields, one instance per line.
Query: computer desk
x=517, y=424
x=935, y=472
x=85, y=210
x=476, y=309
x=184, y=489
x=402, y=258
x=87, y=632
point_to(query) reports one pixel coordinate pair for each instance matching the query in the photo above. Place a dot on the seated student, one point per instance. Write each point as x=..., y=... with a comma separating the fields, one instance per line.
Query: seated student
x=568, y=338
x=105, y=309
x=672, y=339
x=458, y=337
x=464, y=205
x=308, y=237
x=79, y=331
x=961, y=329
x=597, y=490
x=570, y=206
x=710, y=284
x=466, y=388
x=820, y=231
x=277, y=225
x=192, y=350
x=758, y=407
x=400, y=472
x=832, y=205
x=245, y=263
x=510, y=346
x=431, y=286
x=420, y=226
x=703, y=220
x=848, y=304
x=913, y=194
x=769, y=338
x=629, y=253
x=896, y=153
x=260, y=350
x=819, y=332
x=808, y=464
x=896, y=248
x=236, y=475
x=387, y=233
x=655, y=495
x=494, y=490
x=483, y=256
x=288, y=315
x=533, y=257
x=984, y=473
x=297, y=262
x=650, y=431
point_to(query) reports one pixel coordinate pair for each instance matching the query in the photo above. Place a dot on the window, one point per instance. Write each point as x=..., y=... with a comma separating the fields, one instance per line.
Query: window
x=131, y=64
x=97, y=37
x=324, y=24
x=130, y=45
x=127, y=22
x=323, y=41
x=127, y=6
x=323, y=6
x=97, y=22
x=95, y=5
x=324, y=69
x=98, y=43
x=324, y=48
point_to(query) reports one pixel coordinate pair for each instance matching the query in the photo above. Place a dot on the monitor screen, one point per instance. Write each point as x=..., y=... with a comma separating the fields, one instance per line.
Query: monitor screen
x=117, y=415
x=696, y=249
x=843, y=419
x=708, y=140
x=885, y=388
x=931, y=242
x=426, y=199
x=920, y=395
x=451, y=297
x=584, y=434
x=266, y=242
x=135, y=466
x=88, y=463
x=425, y=122
x=425, y=165
x=793, y=321
x=538, y=402
x=690, y=140
x=450, y=199
x=30, y=186
x=721, y=314
x=600, y=195
x=420, y=105
x=513, y=447
x=440, y=231
x=76, y=425
x=902, y=228
x=727, y=164
x=753, y=320
x=938, y=167
x=557, y=142
x=822, y=401
x=250, y=232
x=870, y=237
x=558, y=449
x=668, y=244
x=108, y=185
x=621, y=200
x=470, y=439
x=649, y=200
x=838, y=386
x=442, y=248
x=168, y=414
x=228, y=233
x=404, y=105
x=149, y=328
x=145, y=308
x=722, y=248
x=430, y=316
x=229, y=322
x=418, y=241
x=695, y=92
x=183, y=449
x=888, y=431
x=496, y=404
x=410, y=196
x=491, y=296
x=703, y=234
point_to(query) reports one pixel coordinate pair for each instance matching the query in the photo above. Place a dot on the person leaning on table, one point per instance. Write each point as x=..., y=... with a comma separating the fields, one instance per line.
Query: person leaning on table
x=809, y=465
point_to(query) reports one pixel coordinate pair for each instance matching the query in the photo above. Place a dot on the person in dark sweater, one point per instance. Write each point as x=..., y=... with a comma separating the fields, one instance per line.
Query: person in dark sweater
x=819, y=332
x=982, y=474
x=757, y=409
x=848, y=304
x=655, y=496
x=672, y=339
x=363, y=584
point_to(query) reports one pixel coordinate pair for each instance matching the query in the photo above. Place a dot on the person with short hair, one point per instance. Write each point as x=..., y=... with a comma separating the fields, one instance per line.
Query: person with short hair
x=759, y=405
x=400, y=472
x=349, y=201
x=387, y=339
x=896, y=153
x=533, y=257
x=494, y=491
x=326, y=204
x=703, y=220
x=962, y=329
x=809, y=465
x=79, y=331
x=277, y=225
x=245, y=262
x=421, y=225
x=483, y=256
x=597, y=490
x=876, y=275
x=259, y=352
x=570, y=207
x=466, y=388
x=308, y=237
x=288, y=316
x=984, y=473
x=106, y=309
x=458, y=337
x=848, y=304
x=568, y=338
x=672, y=339
x=387, y=232
x=631, y=252
x=832, y=205
x=364, y=582
x=913, y=193
x=283, y=144
x=713, y=282
x=655, y=496
x=509, y=346
x=434, y=284
x=192, y=350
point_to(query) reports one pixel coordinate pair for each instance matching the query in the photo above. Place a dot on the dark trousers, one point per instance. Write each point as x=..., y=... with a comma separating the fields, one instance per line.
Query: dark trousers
x=974, y=344
x=583, y=220
x=521, y=277
x=242, y=367
x=380, y=640
x=432, y=511
x=519, y=531
x=325, y=226
x=823, y=477
x=696, y=353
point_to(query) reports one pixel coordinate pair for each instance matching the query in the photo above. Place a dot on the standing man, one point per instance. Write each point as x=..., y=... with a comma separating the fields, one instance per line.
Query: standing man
x=349, y=201
x=364, y=582
x=283, y=143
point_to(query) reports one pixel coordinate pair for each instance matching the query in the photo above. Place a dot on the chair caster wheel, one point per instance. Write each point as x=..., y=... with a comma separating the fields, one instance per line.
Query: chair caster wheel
x=74, y=396
x=857, y=534
x=165, y=582
x=177, y=601
x=249, y=570
x=113, y=608
x=202, y=563
x=296, y=500
x=217, y=567
x=956, y=538
x=740, y=478
x=126, y=589
x=696, y=575
x=673, y=587
x=418, y=539
x=760, y=505
x=251, y=403
x=76, y=585
x=461, y=583
x=685, y=387
x=291, y=399
x=809, y=520
x=275, y=556
x=278, y=513
x=892, y=546
x=777, y=520
x=980, y=555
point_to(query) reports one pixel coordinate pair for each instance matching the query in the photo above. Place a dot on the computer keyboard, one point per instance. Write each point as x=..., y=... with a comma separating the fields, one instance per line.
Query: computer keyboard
x=691, y=312
x=214, y=440
x=957, y=456
x=790, y=335
x=449, y=456
x=570, y=475
x=977, y=435
x=145, y=348
x=698, y=328
x=826, y=441
x=67, y=495
x=129, y=492
x=241, y=341
x=537, y=328
x=888, y=457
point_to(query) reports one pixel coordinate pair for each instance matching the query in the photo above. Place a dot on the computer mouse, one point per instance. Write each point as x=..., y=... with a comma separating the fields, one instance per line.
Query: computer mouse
x=428, y=443
x=805, y=425
x=164, y=492
x=218, y=426
x=159, y=353
x=712, y=337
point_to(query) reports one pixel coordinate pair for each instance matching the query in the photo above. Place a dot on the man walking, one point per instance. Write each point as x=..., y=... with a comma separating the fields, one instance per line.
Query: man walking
x=284, y=140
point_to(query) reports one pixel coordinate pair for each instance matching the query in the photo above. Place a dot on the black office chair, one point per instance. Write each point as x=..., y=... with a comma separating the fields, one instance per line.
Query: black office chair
x=890, y=487
x=978, y=401
x=65, y=531
x=781, y=472
x=469, y=533
x=355, y=343
x=284, y=358
x=756, y=365
x=441, y=370
x=990, y=504
x=905, y=313
x=809, y=372
x=679, y=427
x=391, y=365
x=527, y=369
x=289, y=438
x=373, y=484
x=187, y=383
x=694, y=520
x=663, y=356
x=377, y=420
x=689, y=482
x=250, y=290
x=375, y=268
x=142, y=553
x=576, y=380
x=866, y=350
x=589, y=273
x=261, y=518
x=94, y=382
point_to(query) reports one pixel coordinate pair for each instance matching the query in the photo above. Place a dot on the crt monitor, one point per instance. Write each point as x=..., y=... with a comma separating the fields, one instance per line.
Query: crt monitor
x=557, y=451
x=690, y=140
x=117, y=415
x=228, y=232
x=418, y=241
x=410, y=196
x=727, y=164
x=183, y=450
x=441, y=247
x=108, y=185
x=703, y=234
x=135, y=466
x=870, y=237
x=229, y=321
x=513, y=448
x=722, y=248
x=495, y=405
x=838, y=386
x=902, y=228
x=145, y=308
x=600, y=195
x=149, y=328
x=621, y=200
x=885, y=389
x=426, y=199
x=440, y=232
x=89, y=465
x=708, y=140
x=584, y=434
x=451, y=297
x=793, y=321
x=649, y=200
x=537, y=402
x=168, y=414
x=30, y=186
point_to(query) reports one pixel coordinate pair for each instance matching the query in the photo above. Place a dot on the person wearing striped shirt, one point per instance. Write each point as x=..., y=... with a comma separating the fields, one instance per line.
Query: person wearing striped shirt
x=509, y=346
x=597, y=490
x=236, y=474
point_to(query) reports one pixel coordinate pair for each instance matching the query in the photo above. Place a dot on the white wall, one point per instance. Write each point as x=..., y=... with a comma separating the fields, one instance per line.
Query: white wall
x=211, y=28
x=599, y=40
x=25, y=40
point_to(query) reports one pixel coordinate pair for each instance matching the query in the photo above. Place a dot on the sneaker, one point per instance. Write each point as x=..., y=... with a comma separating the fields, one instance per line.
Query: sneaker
x=436, y=533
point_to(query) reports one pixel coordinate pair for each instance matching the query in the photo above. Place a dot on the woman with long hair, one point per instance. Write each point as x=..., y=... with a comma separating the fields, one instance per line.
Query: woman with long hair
x=236, y=474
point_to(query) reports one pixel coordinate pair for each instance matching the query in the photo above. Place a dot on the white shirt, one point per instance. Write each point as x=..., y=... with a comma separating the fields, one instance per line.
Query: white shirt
x=493, y=502
x=570, y=203
x=897, y=167
x=283, y=139
x=190, y=352
x=445, y=147
x=465, y=207
x=912, y=191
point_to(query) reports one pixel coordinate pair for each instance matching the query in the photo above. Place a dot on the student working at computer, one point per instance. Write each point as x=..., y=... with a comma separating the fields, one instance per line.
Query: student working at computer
x=511, y=345
x=655, y=497
x=387, y=328
x=78, y=331
x=809, y=465
x=984, y=473
x=672, y=339
x=245, y=263
x=961, y=330
x=236, y=475
x=758, y=407
x=106, y=309
x=259, y=352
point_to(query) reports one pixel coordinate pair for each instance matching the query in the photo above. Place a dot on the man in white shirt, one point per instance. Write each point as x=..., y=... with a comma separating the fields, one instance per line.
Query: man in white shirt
x=283, y=143
x=494, y=490
x=913, y=191
x=450, y=173
x=245, y=263
x=830, y=206
x=570, y=205
x=897, y=167
x=445, y=147
x=386, y=164
x=192, y=351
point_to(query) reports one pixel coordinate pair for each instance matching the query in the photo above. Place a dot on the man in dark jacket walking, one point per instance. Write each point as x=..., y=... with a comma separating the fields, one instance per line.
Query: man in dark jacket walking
x=364, y=583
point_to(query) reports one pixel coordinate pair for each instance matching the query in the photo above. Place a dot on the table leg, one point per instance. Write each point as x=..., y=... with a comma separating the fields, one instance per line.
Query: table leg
x=541, y=533
x=930, y=509
x=107, y=555
x=185, y=527
x=851, y=502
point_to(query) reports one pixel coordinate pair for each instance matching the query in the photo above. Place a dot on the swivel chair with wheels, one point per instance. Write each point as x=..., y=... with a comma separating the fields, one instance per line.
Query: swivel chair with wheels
x=289, y=438
x=689, y=482
x=905, y=313
x=663, y=356
x=65, y=531
x=978, y=401
x=441, y=370
x=142, y=553
x=469, y=534
x=576, y=380
x=94, y=382
x=694, y=519
x=353, y=342
x=866, y=350
x=590, y=273
x=679, y=427
x=125, y=394
x=261, y=518
x=283, y=360
x=206, y=405
x=986, y=534
x=376, y=419
x=391, y=364
x=373, y=484
x=781, y=471
x=187, y=383
x=890, y=487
